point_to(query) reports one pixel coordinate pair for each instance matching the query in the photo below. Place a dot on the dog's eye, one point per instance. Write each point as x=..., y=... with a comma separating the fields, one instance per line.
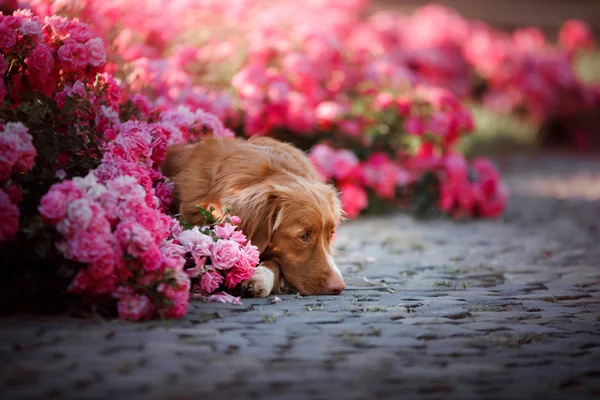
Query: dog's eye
x=305, y=237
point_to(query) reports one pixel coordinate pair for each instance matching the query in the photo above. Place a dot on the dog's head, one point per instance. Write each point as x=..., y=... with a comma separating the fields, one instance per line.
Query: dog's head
x=292, y=221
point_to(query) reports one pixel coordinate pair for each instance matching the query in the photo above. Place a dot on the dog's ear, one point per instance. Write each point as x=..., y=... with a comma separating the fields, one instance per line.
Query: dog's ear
x=258, y=207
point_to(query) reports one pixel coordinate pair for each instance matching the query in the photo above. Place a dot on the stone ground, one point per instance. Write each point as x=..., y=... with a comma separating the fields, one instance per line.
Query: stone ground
x=433, y=310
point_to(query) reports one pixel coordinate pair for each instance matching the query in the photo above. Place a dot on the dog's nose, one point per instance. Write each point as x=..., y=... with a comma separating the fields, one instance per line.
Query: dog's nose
x=336, y=286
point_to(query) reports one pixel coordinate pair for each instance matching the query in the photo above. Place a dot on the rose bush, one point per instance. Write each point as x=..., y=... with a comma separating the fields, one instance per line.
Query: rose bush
x=93, y=92
x=80, y=182
x=329, y=72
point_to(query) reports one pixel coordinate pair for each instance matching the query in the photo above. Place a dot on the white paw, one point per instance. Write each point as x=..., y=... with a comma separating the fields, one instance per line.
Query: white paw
x=261, y=283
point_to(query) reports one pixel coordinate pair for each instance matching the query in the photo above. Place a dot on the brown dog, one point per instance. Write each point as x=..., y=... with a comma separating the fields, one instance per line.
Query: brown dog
x=285, y=208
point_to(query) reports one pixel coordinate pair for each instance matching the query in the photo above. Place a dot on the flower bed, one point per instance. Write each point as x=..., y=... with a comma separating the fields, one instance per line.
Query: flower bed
x=90, y=104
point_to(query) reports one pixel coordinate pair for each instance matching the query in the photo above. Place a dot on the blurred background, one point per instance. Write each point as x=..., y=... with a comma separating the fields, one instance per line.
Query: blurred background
x=548, y=15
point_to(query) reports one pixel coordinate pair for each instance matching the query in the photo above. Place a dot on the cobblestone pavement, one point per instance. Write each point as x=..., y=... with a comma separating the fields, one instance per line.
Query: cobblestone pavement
x=433, y=310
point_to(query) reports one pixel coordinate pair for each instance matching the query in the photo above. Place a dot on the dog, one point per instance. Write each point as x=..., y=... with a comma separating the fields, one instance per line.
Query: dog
x=286, y=209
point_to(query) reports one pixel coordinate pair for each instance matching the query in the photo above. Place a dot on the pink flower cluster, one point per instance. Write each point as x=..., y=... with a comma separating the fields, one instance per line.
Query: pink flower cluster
x=113, y=222
x=435, y=120
x=330, y=62
x=47, y=53
x=465, y=197
x=171, y=86
x=183, y=125
x=220, y=255
x=17, y=156
x=523, y=70
x=17, y=153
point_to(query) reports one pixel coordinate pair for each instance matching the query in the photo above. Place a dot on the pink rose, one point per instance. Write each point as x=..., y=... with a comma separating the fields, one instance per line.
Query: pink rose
x=351, y=127
x=467, y=196
x=103, y=267
x=31, y=28
x=9, y=154
x=228, y=231
x=224, y=254
x=210, y=281
x=109, y=203
x=353, y=198
x=404, y=105
x=53, y=206
x=322, y=156
x=226, y=298
x=277, y=91
x=176, y=228
x=344, y=164
x=90, y=186
x=80, y=213
x=97, y=54
x=178, y=292
x=238, y=274
x=78, y=31
x=26, y=159
x=576, y=35
x=150, y=219
x=493, y=207
x=164, y=192
x=134, y=238
x=180, y=306
x=152, y=259
x=447, y=197
x=87, y=247
x=142, y=103
x=110, y=134
x=135, y=308
x=439, y=123
x=300, y=114
x=197, y=269
x=414, y=125
x=158, y=150
x=329, y=112
x=235, y=220
x=484, y=168
x=8, y=38
x=196, y=243
x=125, y=188
x=84, y=283
x=173, y=254
x=133, y=141
x=73, y=56
x=14, y=194
x=245, y=267
x=456, y=167
x=128, y=209
x=384, y=100
x=59, y=24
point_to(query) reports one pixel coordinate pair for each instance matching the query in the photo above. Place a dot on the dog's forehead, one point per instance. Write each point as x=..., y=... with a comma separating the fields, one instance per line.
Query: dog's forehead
x=313, y=218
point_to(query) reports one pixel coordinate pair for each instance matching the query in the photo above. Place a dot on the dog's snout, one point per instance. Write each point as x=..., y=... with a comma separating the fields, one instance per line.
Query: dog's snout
x=336, y=285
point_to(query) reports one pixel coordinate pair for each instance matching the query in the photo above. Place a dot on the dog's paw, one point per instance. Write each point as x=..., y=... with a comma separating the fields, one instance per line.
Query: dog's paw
x=261, y=283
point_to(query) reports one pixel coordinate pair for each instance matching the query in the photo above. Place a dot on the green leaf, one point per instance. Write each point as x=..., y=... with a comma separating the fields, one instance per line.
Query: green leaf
x=68, y=106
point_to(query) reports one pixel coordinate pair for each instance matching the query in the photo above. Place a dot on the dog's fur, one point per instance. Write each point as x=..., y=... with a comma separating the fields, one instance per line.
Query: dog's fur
x=285, y=208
